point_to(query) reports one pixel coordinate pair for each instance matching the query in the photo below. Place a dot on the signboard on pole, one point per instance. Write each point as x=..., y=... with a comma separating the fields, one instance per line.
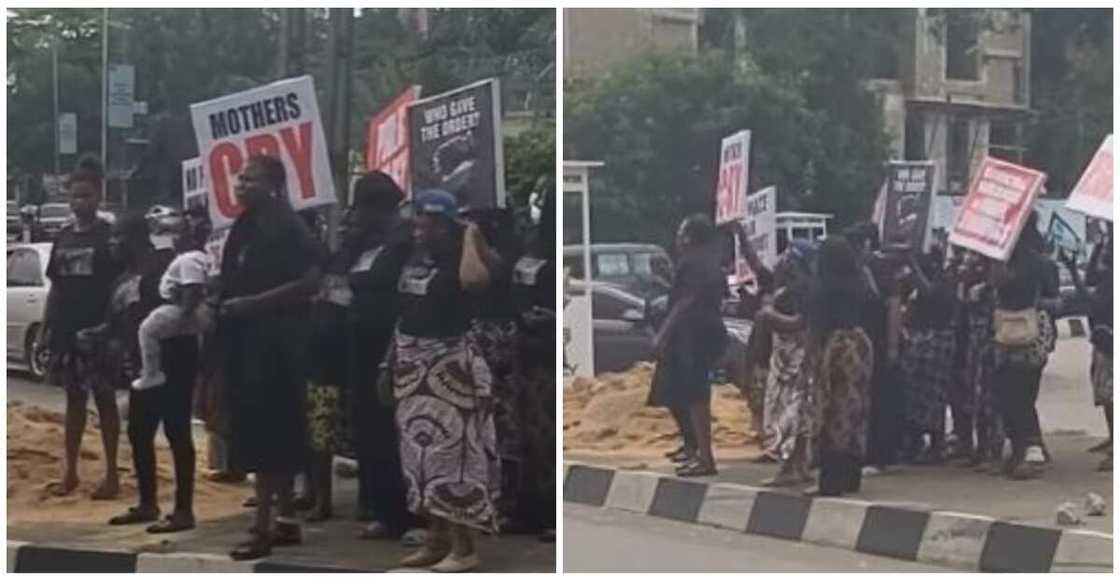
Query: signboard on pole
x=455, y=144
x=1093, y=193
x=905, y=211
x=387, y=140
x=996, y=207
x=68, y=134
x=1061, y=235
x=194, y=190
x=279, y=120
x=122, y=84
x=761, y=224
x=731, y=190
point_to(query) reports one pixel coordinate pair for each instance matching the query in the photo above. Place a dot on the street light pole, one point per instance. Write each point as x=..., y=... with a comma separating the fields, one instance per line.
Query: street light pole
x=104, y=96
x=54, y=82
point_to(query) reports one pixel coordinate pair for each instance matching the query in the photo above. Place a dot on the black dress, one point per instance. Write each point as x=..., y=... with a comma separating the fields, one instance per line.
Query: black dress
x=696, y=343
x=266, y=352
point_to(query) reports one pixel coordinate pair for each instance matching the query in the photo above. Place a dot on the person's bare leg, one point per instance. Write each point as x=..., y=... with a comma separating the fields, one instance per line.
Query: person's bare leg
x=110, y=417
x=76, y=401
x=701, y=418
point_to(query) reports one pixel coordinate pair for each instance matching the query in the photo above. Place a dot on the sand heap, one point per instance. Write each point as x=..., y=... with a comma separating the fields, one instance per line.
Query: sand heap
x=609, y=415
x=35, y=457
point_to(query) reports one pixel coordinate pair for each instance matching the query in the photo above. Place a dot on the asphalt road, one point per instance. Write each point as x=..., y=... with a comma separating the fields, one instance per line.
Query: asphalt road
x=602, y=540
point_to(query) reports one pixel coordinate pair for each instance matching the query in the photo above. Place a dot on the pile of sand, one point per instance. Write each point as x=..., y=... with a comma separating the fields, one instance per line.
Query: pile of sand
x=609, y=415
x=35, y=458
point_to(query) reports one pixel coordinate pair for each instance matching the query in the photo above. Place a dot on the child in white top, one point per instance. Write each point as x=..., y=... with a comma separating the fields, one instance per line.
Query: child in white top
x=183, y=285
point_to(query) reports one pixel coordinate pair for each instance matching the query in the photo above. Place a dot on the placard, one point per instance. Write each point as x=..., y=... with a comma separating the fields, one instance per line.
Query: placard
x=194, y=189
x=388, y=137
x=122, y=83
x=1093, y=193
x=280, y=120
x=455, y=144
x=68, y=134
x=731, y=189
x=996, y=207
x=906, y=204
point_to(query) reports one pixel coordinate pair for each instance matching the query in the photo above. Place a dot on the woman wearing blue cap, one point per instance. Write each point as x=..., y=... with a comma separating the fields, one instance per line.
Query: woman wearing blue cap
x=443, y=389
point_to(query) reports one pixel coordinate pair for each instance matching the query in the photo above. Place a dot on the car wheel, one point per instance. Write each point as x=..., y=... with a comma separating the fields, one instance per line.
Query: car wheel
x=37, y=358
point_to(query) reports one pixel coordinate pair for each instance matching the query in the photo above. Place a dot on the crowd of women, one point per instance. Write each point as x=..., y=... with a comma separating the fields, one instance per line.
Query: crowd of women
x=422, y=347
x=860, y=355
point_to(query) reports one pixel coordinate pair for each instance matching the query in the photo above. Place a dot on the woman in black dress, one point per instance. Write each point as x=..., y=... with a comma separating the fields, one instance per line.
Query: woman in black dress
x=269, y=273
x=689, y=342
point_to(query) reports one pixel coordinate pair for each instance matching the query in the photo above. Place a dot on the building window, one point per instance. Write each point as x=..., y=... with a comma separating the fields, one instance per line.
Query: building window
x=1004, y=142
x=915, y=143
x=962, y=45
x=959, y=156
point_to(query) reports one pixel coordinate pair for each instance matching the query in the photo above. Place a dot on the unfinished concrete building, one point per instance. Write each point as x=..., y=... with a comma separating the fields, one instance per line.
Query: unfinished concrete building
x=596, y=38
x=962, y=90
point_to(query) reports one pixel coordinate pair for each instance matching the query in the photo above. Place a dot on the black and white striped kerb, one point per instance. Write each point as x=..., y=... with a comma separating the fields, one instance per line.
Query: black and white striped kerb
x=955, y=540
x=27, y=558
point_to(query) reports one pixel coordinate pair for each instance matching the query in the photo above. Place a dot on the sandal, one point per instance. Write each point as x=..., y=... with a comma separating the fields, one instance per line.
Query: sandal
x=173, y=523
x=258, y=547
x=697, y=468
x=135, y=515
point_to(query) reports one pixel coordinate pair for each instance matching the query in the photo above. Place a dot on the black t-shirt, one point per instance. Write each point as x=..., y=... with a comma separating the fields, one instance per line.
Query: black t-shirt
x=374, y=274
x=81, y=273
x=1030, y=280
x=700, y=327
x=933, y=310
x=534, y=290
x=837, y=308
x=267, y=248
x=433, y=302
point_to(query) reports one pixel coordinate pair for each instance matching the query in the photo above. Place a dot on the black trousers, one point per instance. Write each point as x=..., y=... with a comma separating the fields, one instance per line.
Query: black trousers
x=169, y=404
x=381, y=486
x=884, y=415
x=840, y=473
x=1017, y=387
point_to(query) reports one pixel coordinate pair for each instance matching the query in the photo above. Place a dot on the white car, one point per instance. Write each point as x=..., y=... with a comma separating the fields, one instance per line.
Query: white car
x=27, y=301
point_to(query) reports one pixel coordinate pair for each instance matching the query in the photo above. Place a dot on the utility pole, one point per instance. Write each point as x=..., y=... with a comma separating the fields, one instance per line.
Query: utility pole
x=339, y=44
x=104, y=96
x=54, y=82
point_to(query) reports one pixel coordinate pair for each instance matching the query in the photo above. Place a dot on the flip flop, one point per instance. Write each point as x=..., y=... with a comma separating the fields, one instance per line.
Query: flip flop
x=102, y=493
x=133, y=516
x=696, y=469
x=58, y=488
x=172, y=524
x=258, y=547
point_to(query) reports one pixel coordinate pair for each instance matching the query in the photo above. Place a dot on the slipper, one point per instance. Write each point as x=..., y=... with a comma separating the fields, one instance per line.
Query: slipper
x=135, y=515
x=172, y=524
x=695, y=469
x=58, y=488
x=258, y=547
x=105, y=493
x=376, y=531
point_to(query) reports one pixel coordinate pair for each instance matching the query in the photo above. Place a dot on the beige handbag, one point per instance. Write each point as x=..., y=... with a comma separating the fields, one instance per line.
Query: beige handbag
x=1016, y=328
x=473, y=273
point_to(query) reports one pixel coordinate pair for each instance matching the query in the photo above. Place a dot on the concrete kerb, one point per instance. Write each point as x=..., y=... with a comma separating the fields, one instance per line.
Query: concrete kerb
x=900, y=530
x=31, y=558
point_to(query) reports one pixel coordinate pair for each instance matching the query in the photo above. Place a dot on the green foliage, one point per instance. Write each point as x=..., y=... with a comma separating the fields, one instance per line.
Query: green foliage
x=529, y=157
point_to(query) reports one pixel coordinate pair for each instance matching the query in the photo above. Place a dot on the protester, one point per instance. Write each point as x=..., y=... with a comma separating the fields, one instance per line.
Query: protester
x=1022, y=339
x=443, y=390
x=689, y=342
x=139, y=291
x=927, y=361
x=842, y=366
x=759, y=345
x=81, y=271
x=269, y=271
x=979, y=305
x=789, y=413
x=381, y=244
x=1099, y=276
x=494, y=332
x=534, y=290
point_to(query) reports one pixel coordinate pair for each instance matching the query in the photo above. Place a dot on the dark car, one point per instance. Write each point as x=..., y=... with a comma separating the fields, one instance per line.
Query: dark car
x=644, y=270
x=624, y=325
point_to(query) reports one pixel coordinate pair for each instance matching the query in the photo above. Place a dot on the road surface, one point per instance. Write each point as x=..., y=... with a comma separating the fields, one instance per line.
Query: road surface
x=608, y=540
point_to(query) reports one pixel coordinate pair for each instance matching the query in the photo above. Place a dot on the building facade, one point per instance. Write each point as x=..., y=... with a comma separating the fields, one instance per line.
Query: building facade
x=596, y=38
x=962, y=90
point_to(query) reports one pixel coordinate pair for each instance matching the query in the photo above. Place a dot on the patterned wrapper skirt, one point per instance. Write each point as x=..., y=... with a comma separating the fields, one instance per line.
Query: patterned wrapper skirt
x=1101, y=373
x=444, y=415
x=789, y=406
x=927, y=367
x=328, y=423
x=497, y=341
x=843, y=386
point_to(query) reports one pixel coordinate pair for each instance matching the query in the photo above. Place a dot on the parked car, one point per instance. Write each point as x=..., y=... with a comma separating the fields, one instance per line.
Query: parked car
x=623, y=325
x=27, y=300
x=52, y=217
x=644, y=270
x=15, y=221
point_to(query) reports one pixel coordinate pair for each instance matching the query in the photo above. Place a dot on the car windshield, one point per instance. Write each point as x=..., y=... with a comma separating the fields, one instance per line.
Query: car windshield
x=54, y=211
